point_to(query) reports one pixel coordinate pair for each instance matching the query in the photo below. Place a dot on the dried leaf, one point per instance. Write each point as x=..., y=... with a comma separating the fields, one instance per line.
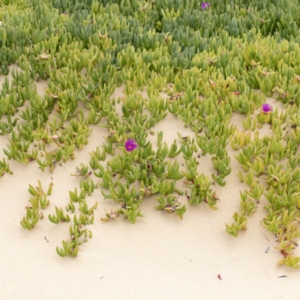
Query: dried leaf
x=44, y=56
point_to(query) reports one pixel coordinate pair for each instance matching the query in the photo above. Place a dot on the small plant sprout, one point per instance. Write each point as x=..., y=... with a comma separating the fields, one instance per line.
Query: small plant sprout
x=171, y=205
x=37, y=200
x=112, y=215
x=4, y=168
x=82, y=171
x=59, y=217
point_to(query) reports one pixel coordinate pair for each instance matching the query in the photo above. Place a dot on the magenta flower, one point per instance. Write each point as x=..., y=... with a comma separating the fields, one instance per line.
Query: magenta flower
x=130, y=145
x=204, y=5
x=266, y=108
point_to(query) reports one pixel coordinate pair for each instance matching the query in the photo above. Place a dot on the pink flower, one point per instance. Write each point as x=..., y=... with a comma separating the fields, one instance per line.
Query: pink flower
x=266, y=108
x=130, y=145
x=204, y=5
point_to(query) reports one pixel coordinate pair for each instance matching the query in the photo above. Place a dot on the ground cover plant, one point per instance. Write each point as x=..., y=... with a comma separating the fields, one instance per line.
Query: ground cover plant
x=201, y=62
